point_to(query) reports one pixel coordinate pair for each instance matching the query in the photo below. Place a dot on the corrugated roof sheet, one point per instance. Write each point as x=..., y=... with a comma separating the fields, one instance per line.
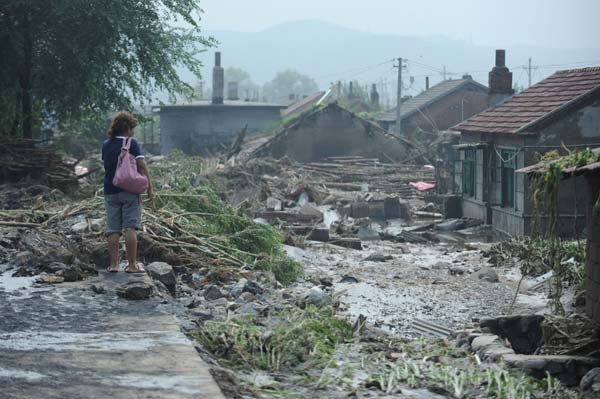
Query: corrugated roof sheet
x=534, y=104
x=427, y=97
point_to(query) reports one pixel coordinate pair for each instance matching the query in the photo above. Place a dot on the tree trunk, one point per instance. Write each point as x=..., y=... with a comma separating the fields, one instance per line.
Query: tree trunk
x=25, y=78
x=14, y=131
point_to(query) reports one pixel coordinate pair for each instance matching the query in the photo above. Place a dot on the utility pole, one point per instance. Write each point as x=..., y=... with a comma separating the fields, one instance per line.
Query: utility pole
x=399, y=98
x=529, y=72
x=444, y=72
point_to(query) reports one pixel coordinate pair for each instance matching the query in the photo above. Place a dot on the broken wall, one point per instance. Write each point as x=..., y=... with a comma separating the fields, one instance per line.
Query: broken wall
x=334, y=131
x=194, y=130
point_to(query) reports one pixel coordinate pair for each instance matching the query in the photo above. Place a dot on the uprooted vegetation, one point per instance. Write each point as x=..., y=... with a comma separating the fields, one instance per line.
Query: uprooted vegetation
x=283, y=341
x=534, y=257
x=188, y=222
x=314, y=352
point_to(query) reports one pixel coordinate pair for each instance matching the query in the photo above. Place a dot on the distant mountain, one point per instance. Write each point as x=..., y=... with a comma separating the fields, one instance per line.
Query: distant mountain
x=329, y=53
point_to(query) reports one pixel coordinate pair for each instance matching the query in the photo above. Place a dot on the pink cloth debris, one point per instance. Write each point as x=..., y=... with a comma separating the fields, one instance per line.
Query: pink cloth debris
x=422, y=186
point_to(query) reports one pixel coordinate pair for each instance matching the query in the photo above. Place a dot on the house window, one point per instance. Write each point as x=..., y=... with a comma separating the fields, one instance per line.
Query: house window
x=468, y=173
x=508, y=177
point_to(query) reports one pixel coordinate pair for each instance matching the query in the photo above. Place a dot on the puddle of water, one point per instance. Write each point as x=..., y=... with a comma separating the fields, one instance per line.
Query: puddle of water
x=187, y=385
x=113, y=341
x=11, y=284
x=20, y=374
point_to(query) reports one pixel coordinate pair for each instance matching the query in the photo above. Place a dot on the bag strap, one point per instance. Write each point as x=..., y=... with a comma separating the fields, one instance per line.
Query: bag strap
x=126, y=144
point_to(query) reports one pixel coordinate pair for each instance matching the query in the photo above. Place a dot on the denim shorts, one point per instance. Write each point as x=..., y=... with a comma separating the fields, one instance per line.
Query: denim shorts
x=123, y=210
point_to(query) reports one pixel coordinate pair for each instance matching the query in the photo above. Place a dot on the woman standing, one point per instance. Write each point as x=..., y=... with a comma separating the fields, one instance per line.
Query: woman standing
x=123, y=209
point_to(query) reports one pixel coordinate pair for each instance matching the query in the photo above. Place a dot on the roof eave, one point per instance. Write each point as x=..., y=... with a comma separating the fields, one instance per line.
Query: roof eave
x=532, y=125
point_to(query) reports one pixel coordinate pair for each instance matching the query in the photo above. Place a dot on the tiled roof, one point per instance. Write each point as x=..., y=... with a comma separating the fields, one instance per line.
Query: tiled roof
x=533, y=105
x=300, y=106
x=427, y=97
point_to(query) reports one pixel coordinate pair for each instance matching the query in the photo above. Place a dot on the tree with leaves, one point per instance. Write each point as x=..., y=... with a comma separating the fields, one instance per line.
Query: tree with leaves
x=289, y=82
x=246, y=87
x=71, y=58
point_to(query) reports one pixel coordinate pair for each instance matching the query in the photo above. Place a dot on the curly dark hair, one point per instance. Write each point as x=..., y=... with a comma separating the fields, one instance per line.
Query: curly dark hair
x=121, y=123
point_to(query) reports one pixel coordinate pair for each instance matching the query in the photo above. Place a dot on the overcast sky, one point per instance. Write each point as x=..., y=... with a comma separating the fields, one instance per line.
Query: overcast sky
x=546, y=23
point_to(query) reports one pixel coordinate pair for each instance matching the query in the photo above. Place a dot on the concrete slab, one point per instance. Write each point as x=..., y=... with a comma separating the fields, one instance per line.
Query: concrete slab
x=65, y=342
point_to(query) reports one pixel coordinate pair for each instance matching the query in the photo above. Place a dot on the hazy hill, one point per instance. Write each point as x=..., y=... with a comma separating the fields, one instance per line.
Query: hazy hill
x=329, y=53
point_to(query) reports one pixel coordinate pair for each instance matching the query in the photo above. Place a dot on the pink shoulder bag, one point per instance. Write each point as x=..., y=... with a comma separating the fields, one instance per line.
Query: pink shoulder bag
x=127, y=176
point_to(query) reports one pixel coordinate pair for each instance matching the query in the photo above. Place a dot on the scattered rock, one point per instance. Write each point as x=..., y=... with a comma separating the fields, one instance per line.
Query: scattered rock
x=567, y=369
x=591, y=381
x=164, y=273
x=442, y=266
x=23, y=272
x=219, y=302
x=237, y=289
x=326, y=281
x=135, y=290
x=212, y=292
x=71, y=273
x=98, y=289
x=378, y=258
x=425, y=267
x=201, y=315
x=50, y=279
x=524, y=332
x=247, y=297
x=457, y=270
x=23, y=258
x=349, y=279
x=252, y=287
x=488, y=275
x=490, y=347
x=53, y=267
x=317, y=297
x=251, y=308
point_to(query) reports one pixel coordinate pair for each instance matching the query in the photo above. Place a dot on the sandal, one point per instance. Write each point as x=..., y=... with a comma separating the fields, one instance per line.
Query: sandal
x=111, y=269
x=139, y=269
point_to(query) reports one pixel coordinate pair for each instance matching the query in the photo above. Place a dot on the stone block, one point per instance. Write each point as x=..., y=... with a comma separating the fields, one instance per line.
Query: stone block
x=359, y=210
x=567, y=369
x=164, y=273
x=391, y=208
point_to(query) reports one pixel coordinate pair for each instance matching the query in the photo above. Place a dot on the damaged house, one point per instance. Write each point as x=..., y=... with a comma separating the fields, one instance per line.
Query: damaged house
x=591, y=175
x=451, y=101
x=333, y=131
x=561, y=110
x=204, y=126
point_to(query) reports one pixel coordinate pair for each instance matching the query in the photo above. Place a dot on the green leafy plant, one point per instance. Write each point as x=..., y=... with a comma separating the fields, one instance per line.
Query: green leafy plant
x=293, y=336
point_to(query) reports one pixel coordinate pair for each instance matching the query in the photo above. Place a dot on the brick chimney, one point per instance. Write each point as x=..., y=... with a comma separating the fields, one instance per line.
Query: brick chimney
x=232, y=91
x=218, y=80
x=500, y=78
x=374, y=97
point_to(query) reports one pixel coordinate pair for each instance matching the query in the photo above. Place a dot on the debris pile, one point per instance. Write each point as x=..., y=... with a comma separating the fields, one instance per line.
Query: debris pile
x=22, y=161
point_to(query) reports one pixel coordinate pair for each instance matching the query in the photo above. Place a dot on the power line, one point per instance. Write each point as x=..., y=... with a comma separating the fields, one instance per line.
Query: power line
x=360, y=70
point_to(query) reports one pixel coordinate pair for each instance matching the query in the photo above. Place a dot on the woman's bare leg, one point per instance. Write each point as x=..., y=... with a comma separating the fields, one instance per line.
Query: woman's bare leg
x=131, y=248
x=113, y=251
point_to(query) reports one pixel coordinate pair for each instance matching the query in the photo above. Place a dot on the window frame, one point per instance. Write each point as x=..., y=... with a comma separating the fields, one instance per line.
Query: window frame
x=508, y=192
x=469, y=171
